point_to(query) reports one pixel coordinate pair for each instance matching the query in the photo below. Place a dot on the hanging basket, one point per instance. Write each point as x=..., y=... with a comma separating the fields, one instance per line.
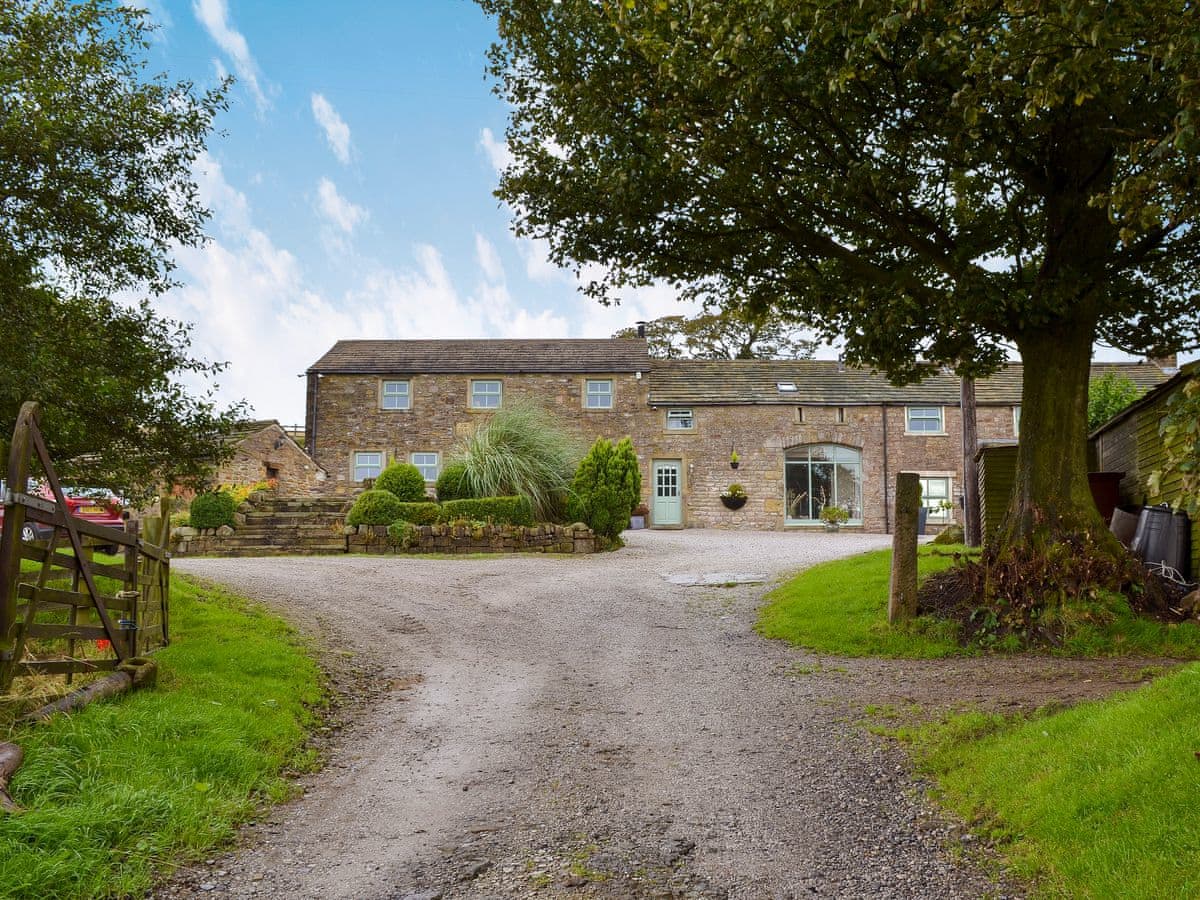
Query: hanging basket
x=733, y=502
x=734, y=465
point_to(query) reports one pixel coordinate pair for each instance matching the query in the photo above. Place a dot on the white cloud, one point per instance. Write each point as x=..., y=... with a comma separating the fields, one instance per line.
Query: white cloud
x=337, y=132
x=497, y=150
x=214, y=16
x=339, y=211
x=489, y=259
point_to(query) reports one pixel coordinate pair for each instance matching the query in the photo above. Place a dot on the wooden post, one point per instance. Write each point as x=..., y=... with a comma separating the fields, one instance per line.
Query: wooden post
x=902, y=591
x=970, y=445
x=20, y=452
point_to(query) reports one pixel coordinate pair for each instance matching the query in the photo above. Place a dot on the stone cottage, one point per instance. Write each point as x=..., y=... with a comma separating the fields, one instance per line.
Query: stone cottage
x=264, y=451
x=806, y=433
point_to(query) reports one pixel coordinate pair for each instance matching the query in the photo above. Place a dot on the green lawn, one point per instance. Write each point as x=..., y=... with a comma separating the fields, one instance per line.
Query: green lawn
x=121, y=790
x=1099, y=801
x=840, y=607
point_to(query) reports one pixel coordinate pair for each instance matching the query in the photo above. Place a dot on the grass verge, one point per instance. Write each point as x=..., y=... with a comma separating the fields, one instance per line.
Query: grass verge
x=840, y=608
x=126, y=788
x=1097, y=801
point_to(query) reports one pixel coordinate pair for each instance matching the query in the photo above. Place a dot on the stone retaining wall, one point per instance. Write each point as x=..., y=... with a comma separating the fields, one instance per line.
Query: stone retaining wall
x=575, y=538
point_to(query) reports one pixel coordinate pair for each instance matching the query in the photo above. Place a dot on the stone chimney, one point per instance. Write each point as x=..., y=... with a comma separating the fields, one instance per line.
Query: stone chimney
x=641, y=330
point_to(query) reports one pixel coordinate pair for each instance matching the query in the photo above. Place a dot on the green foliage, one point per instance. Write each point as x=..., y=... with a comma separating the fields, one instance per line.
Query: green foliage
x=99, y=191
x=1107, y=396
x=419, y=513
x=375, y=508
x=522, y=450
x=212, y=509
x=404, y=533
x=731, y=333
x=1180, y=433
x=450, y=482
x=498, y=510
x=834, y=515
x=404, y=480
x=1095, y=801
x=734, y=491
x=924, y=181
x=606, y=487
x=184, y=763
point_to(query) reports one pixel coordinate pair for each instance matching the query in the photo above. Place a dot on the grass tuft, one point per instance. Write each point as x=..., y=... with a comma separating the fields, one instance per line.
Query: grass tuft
x=122, y=790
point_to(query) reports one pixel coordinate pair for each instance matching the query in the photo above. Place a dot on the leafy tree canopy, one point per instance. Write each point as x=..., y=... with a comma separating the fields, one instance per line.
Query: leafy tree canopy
x=1108, y=395
x=923, y=179
x=96, y=189
x=724, y=335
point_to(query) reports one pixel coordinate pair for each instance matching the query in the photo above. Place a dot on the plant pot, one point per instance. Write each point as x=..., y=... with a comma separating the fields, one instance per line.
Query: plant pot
x=734, y=465
x=636, y=522
x=833, y=526
x=733, y=502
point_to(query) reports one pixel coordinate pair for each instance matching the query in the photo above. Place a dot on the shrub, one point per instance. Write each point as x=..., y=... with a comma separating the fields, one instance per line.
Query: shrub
x=404, y=480
x=450, y=482
x=212, y=510
x=402, y=533
x=375, y=508
x=521, y=450
x=500, y=510
x=419, y=513
x=607, y=484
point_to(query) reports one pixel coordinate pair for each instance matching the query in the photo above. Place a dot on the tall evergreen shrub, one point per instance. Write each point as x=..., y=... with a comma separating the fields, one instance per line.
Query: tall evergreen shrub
x=606, y=487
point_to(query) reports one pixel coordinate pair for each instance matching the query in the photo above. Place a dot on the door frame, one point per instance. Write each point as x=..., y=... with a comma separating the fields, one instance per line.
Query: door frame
x=678, y=461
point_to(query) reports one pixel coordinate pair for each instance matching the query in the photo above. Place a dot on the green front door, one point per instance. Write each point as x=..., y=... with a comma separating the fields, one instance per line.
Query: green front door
x=668, y=493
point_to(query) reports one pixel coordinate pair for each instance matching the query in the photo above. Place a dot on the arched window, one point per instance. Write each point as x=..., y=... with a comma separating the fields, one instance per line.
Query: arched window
x=820, y=475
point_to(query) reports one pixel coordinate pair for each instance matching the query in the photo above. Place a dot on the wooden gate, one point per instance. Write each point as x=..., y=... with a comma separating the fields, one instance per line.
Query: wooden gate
x=100, y=629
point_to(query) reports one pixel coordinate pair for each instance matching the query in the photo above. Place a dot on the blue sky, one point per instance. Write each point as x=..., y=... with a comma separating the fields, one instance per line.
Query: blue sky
x=351, y=189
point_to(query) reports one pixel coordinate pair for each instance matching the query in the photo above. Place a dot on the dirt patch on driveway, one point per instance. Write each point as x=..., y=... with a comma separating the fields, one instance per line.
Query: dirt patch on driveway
x=580, y=726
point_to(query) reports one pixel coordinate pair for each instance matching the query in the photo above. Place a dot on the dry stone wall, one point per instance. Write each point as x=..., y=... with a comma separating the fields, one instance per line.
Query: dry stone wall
x=451, y=538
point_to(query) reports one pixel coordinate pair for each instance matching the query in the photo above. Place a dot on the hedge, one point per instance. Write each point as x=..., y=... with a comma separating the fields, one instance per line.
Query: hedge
x=419, y=513
x=212, y=510
x=498, y=510
x=375, y=508
x=404, y=480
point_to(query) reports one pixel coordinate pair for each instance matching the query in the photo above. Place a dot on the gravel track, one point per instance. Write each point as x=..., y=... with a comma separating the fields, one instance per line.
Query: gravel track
x=580, y=726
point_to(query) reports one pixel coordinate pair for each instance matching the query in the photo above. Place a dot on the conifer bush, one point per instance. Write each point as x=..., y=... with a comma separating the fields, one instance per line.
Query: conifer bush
x=375, y=507
x=607, y=485
x=404, y=480
x=212, y=510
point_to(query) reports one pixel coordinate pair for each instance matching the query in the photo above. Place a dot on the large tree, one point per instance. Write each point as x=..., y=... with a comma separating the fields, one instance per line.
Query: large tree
x=729, y=334
x=96, y=192
x=925, y=179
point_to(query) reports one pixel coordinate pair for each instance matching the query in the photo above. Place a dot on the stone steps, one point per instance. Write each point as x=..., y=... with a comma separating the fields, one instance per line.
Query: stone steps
x=277, y=526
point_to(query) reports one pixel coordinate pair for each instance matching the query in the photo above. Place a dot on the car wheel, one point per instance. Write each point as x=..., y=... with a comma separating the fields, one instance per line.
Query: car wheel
x=28, y=533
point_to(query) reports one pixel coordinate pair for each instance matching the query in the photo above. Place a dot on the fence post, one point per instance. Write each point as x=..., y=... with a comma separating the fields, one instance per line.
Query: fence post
x=20, y=452
x=902, y=591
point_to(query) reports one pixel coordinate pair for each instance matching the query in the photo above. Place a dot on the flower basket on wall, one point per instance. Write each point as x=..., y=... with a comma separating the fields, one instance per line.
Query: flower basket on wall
x=734, y=497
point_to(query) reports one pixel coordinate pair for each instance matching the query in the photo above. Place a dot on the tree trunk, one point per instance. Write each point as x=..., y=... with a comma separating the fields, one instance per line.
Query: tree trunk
x=1051, y=495
x=970, y=445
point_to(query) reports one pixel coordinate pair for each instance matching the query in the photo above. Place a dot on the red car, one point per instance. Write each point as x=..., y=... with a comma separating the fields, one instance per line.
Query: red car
x=99, y=507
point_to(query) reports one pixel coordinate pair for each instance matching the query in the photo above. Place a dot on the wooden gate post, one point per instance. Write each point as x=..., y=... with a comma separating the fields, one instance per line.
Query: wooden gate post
x=19, y=455
x=902, y=591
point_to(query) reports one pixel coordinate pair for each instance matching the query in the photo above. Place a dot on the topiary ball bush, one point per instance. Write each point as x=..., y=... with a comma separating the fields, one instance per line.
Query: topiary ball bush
x=375, y=508
x=212, y=510
x=404, y=480
x=450, y=484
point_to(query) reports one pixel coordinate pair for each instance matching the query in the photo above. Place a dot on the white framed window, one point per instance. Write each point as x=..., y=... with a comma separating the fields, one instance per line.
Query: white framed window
x=429, y=465
x=1017, y=420
x=396, y=395
x=680, y=420
x=924, y=420
x=486, y=394
x=821, y=475
x=598, y=393
x=936, y=497
x=367, y=464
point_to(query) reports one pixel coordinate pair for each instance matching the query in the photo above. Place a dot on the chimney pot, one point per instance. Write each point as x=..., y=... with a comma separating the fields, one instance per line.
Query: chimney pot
x=641, y=330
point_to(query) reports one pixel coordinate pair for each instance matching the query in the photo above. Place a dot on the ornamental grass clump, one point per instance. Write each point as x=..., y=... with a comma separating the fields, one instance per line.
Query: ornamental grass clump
x=521, y=450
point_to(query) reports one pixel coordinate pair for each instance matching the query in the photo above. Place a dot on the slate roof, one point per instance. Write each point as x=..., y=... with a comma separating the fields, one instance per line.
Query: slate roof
x=730, y=382
x=484, y=356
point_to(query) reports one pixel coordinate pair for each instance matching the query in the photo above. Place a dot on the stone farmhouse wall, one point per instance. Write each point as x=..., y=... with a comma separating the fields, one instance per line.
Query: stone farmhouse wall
x=349, y=419
x=270, y=453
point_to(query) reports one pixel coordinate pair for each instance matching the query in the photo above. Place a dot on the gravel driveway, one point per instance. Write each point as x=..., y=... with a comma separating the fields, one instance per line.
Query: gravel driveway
x=583, y=726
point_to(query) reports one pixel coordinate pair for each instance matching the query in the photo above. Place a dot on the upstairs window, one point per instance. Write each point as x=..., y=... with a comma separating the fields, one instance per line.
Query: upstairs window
x=924, y=420
x=598, y=394
x=427, y=463
x=486, y=394
x=367, y=464
x=680, y=420
x=396, y=395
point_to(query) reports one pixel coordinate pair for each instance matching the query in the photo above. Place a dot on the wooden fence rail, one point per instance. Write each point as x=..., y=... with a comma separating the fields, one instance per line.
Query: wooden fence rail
x=62, y=586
